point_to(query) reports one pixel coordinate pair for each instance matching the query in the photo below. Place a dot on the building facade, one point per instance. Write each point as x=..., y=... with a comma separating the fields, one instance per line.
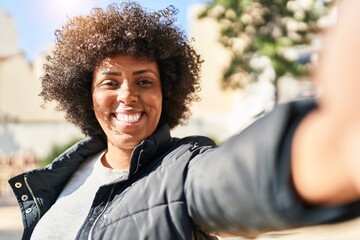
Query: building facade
x=27, y=131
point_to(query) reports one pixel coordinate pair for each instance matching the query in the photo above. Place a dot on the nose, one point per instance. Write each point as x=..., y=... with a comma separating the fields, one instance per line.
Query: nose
x=127, y=94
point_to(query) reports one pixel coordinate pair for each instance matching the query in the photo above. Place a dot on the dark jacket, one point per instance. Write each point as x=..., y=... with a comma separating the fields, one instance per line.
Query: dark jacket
x=186, y=188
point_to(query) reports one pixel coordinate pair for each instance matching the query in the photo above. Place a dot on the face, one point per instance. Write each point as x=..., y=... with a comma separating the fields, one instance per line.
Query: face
x=127, y=99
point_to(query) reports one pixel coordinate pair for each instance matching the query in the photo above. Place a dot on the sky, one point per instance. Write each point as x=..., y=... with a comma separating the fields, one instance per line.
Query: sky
x=36, y=20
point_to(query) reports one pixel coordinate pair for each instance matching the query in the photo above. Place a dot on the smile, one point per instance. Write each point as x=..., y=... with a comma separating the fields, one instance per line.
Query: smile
x=127, y=118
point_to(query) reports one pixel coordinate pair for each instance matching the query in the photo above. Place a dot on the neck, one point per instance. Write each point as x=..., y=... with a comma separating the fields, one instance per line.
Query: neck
x=117, y=158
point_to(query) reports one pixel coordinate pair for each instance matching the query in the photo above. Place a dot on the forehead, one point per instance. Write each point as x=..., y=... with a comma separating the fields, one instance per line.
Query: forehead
x=125, y=62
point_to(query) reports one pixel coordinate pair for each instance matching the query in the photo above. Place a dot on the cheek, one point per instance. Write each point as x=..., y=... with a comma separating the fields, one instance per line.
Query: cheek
x=99, y=104
x=160, y=106
x=157, y=102
x=98, y=96
x=159, y=109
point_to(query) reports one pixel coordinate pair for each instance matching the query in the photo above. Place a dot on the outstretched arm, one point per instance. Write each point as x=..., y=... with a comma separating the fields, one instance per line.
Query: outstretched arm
x=326, y=147
x=246, y=183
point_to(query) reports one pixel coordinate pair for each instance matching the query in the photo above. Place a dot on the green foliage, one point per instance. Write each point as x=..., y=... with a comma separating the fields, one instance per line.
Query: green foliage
x=55, y=151
x=265, y=28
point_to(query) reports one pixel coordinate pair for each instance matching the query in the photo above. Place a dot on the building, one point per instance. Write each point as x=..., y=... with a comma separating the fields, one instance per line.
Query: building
x=27, y=131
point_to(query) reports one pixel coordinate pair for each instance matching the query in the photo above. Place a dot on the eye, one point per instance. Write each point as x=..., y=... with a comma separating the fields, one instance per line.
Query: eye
x=109, y=83
x=144, y=82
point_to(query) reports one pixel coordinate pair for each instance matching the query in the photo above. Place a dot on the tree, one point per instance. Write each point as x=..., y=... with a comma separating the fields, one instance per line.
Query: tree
x=265, y=36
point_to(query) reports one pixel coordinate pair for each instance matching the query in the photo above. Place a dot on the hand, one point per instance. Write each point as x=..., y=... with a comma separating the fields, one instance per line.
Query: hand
x=326, y=146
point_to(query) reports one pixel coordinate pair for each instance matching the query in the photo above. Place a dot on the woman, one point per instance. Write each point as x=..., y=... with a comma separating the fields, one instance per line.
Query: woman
x=125, y=77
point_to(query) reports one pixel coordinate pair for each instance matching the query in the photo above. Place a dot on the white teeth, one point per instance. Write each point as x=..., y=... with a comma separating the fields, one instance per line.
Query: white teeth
x=127, y=118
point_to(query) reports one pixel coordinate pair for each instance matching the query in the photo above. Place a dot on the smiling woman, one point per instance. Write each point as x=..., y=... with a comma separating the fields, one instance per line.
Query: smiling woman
x=127, y=102
x=125, y=76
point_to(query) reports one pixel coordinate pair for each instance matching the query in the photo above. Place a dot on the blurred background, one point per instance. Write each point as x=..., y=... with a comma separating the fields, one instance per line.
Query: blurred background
x=257, y=54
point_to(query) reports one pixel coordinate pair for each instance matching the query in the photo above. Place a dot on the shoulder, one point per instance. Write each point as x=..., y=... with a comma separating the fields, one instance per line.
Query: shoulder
x=196, y=140
x=188, y=147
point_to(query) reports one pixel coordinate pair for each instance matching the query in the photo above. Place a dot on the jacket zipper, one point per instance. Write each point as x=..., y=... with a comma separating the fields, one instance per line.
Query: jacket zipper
x=102, y=212
x=33, y=196
x=138, y=161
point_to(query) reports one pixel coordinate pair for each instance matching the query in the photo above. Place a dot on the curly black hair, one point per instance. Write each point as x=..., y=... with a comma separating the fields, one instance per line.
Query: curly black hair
x=127, y=29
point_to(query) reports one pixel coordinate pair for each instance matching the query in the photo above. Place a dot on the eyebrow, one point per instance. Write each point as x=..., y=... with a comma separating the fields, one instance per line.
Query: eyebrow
x=112, y=73
x=144, y=71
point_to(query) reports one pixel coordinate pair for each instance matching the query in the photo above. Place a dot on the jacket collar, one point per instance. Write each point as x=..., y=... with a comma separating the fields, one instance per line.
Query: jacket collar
x=149, y=148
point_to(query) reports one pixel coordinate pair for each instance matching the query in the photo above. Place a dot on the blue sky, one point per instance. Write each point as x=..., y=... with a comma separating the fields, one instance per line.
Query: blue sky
x=36, y=20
